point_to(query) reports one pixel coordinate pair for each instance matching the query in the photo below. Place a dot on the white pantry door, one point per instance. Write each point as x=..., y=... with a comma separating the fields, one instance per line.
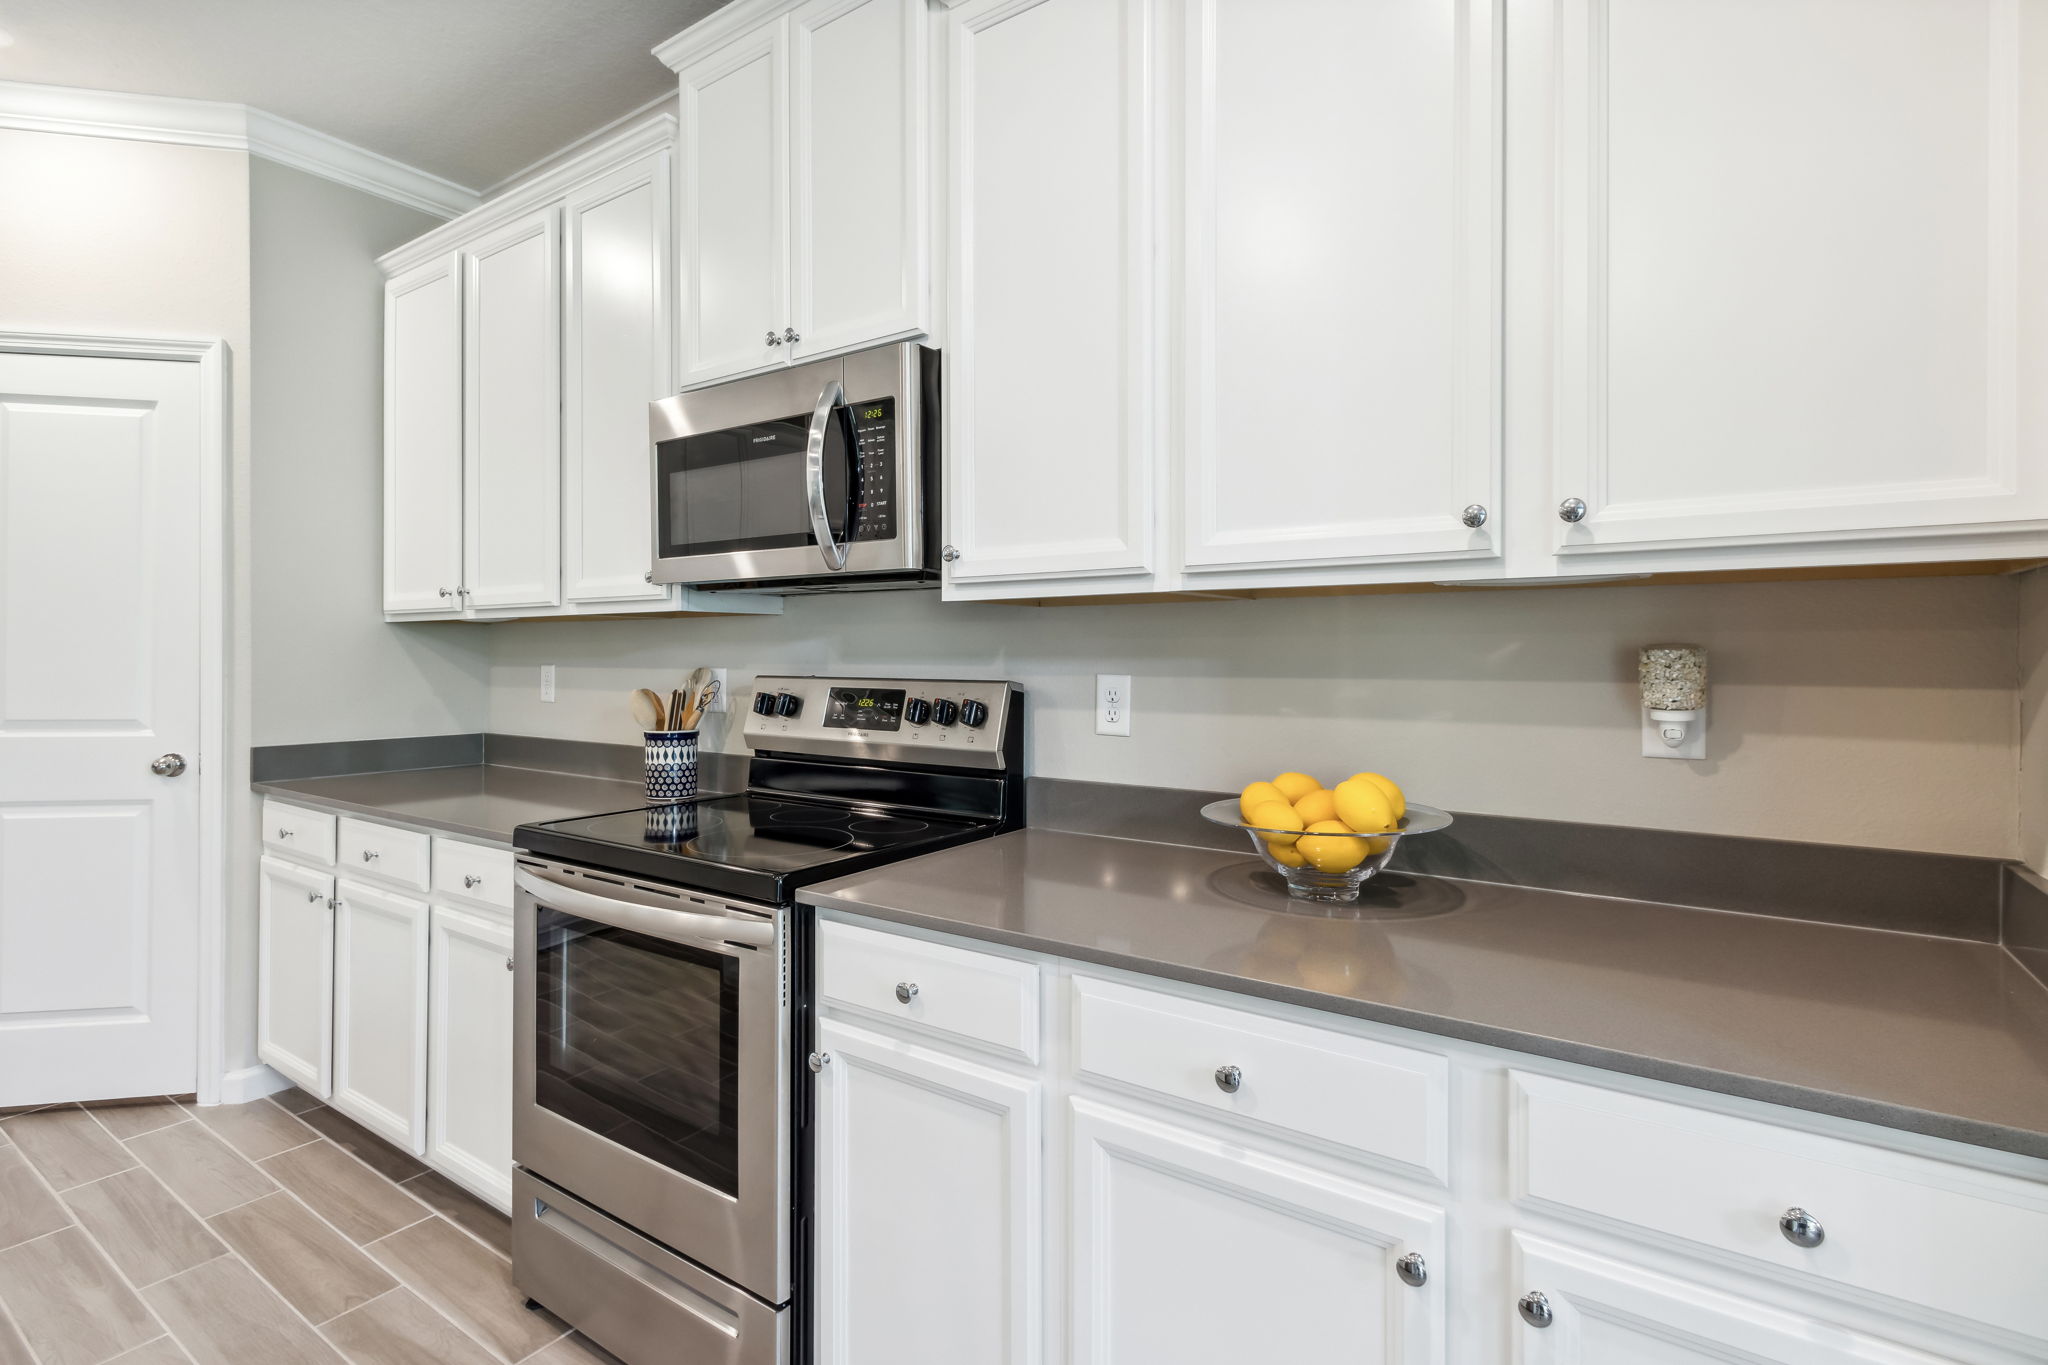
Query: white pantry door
x=100, y=552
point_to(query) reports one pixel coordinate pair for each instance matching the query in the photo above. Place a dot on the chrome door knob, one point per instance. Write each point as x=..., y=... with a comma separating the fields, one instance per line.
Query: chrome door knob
x=1572, y=510
x=773, y=340
x=1412, y=1269
x=906, y=991
x=1801, y=1228
x=1229, y=1079
x=949, y=554
x=170, y=765
x=1535, y=1309
x=789, y=335
x=1474, y=516
x=819, y=1061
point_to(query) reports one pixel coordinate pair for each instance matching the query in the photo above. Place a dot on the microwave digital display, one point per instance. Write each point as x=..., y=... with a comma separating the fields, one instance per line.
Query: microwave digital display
x=864, y=708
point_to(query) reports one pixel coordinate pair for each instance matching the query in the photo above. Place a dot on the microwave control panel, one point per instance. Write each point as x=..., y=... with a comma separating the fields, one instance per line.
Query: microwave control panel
x=925, y=720
x=874, y=465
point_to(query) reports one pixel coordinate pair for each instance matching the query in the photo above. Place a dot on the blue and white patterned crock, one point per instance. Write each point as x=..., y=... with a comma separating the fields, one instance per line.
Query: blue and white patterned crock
x=671, y=764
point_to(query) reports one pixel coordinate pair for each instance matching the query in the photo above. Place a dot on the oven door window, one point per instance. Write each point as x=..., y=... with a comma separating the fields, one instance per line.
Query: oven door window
x=742, y=489
x=638, y=1040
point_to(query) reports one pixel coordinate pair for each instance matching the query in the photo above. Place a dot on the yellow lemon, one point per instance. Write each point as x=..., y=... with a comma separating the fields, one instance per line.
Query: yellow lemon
x=1278, y=815
x=1256, y=795
x=1329, y=845
x=1285, y=856
x=1395, y=798
x=1364, y=807
x=1317, y=805
x=1294, y=786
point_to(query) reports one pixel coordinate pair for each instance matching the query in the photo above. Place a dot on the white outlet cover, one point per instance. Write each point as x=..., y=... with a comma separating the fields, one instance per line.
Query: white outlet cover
x=547, y=682
x=1112, y=703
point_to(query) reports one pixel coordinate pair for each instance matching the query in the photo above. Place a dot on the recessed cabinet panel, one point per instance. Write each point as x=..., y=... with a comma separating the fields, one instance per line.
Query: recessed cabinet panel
x=1342, y=233
x=735, y=248
x=469, y=1053
x=380, y=1011
x=423, y=438
x=1050, y=368
x=512, y=458
x=295, y=974
x=1801, y=311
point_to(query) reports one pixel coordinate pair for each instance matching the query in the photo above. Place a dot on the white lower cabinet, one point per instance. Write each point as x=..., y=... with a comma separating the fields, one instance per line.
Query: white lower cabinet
x=1198, y=1249
x=469, y=1050
x=929, y=1206
x=380, y=1012
x=295, y=974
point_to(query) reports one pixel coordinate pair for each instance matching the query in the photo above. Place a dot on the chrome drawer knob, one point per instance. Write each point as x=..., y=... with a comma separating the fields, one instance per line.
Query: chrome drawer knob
x=906, y=991
x=446, y=592
x=950, y=555
x=284, y=833
x=1474, y=516
x=1571, y=510
x=470, y=881
x=1801, y=1228
x=819, y=1061
x=1229, y=1079
x=1535, y=1309
x=508, y=965
x=371, y=855
x=774, y=340
x=1412, y=1269
x=789, y=335
x=314, y=898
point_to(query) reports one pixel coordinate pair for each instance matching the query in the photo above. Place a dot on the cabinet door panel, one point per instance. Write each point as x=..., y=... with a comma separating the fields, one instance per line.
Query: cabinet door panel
x=615, y=362
x=512, y=463
x=295, y=977
x=1607, y=1313
x=1289, y=1263
x=423, y=438
x=380, y=1011
x=735, y=243
x=930, y=1203
x=1343, y=315
x=1050, y=389
x=469, y=1067
x=1804, y=312
x=857, y=121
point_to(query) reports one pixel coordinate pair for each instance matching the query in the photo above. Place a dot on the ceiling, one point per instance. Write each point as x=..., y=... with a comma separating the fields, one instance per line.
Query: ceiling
x=471, y=90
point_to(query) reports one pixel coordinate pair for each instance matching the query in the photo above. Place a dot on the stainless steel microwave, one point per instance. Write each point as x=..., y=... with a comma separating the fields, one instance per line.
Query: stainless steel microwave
x=812, y=478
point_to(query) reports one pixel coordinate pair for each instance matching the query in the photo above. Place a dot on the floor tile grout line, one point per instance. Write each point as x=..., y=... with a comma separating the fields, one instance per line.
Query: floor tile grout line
x=454, y=1222
x=7, y=1320
x=184, y=1116
x=417, y=1292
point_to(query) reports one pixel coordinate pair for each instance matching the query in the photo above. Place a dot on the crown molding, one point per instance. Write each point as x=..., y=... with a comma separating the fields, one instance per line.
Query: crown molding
x=231, y=127
x=718, y=28
x=589, y=142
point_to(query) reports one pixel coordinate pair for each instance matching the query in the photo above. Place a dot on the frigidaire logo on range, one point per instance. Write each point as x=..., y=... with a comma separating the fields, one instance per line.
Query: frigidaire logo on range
x=762, y=440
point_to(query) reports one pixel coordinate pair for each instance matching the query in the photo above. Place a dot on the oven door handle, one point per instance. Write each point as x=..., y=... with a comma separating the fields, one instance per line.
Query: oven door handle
x=678, y=926
x=831, y=399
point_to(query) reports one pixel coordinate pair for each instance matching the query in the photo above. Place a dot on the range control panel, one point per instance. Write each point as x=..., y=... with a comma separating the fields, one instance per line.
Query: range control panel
x=907, y=719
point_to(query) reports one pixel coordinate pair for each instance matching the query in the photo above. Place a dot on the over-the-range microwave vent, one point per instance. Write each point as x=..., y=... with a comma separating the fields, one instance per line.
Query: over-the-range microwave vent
x=810, y=587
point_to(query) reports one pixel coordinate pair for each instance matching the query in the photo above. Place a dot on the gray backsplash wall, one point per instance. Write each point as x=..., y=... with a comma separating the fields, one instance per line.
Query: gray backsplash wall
x=1878, y=712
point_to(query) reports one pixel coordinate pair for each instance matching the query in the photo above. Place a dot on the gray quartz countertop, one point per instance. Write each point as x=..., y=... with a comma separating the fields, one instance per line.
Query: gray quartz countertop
x=480, y=801
x=1932, y=1035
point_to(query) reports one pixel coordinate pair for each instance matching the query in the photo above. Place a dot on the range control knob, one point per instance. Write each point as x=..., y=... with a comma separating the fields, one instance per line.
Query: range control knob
x=973, y=713
x=917, y=711
x=945, y=712
x=788, y=704
x=764, y=703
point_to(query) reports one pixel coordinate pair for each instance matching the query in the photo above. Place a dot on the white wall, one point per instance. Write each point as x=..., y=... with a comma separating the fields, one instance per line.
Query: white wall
x=2033, y=718
x=326, y=665
x=1873, y=712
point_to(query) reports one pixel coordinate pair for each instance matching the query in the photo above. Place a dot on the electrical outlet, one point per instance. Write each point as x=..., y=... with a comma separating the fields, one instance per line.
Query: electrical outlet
x=1112, y=703
x=547, y=682
x=717, y=702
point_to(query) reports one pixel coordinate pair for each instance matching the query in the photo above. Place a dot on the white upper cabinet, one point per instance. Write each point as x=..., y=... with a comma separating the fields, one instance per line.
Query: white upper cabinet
x=423, y=437
x=1051, y=404
x=615, y=361
x=512, y=461
x=1342, y=232
x=804, y=194
x=1800, y=260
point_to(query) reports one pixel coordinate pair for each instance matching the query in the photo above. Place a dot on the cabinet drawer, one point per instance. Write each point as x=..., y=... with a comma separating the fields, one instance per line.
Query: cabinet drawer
x=307, y=835
x=1389, y=1102
x=393, y=855
x=952, y=991
x=1956, y=1240
x=473, y=872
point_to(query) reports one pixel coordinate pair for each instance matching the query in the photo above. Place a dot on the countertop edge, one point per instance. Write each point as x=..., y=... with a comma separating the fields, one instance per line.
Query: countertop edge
x=284, y=791
x=1972, y=1132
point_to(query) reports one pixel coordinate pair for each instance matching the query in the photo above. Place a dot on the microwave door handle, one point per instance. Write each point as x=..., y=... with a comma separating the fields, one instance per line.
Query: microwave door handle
x=678, y=926
x=830, y=398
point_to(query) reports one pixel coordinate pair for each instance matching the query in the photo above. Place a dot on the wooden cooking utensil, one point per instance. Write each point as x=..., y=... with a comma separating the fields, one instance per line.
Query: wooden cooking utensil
x=647, y=710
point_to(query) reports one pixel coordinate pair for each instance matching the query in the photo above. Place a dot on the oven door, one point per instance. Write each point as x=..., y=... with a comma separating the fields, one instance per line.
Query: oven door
x=808, y=472
x=652, y=1064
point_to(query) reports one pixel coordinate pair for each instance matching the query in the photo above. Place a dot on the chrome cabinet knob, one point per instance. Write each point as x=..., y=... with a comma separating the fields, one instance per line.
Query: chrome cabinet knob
x=470, y=881
x=284, y=833
x=446, y=592
x=1535, y=1309
x=773, y=340
x=1801, y=1228
x=508, y=965
x=1412, y=1269
x=1474, y=516
x=1572, y=510
x=906, y=991
x=170, y=765
x=819, y=1061
x=789, y=335
x=314, y=898
x=1229, y=1079
x=949, y=554
x=371, y=855
x=649, y=575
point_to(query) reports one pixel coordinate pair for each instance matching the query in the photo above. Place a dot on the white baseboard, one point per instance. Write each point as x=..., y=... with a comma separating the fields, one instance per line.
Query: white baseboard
x=251, y=1083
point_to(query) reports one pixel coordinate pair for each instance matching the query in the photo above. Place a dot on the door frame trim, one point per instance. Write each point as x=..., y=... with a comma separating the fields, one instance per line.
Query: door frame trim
x=211, y=356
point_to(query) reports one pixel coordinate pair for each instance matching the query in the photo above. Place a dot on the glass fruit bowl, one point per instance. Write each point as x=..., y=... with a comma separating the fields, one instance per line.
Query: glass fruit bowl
x=1332, y=866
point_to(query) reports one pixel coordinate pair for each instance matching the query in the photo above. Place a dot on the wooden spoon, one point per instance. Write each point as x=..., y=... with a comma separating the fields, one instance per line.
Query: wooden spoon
x=647, y=710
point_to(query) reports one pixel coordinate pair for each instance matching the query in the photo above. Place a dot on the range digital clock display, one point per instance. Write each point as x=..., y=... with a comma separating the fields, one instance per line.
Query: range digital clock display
x=864, y=708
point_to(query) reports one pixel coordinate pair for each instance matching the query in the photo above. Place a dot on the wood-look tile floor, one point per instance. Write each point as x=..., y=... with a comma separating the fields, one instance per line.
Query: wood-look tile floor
x=271, y=1233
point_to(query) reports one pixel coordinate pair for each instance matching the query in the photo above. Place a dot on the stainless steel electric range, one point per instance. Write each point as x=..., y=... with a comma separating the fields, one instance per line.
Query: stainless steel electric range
x=661, y=1197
